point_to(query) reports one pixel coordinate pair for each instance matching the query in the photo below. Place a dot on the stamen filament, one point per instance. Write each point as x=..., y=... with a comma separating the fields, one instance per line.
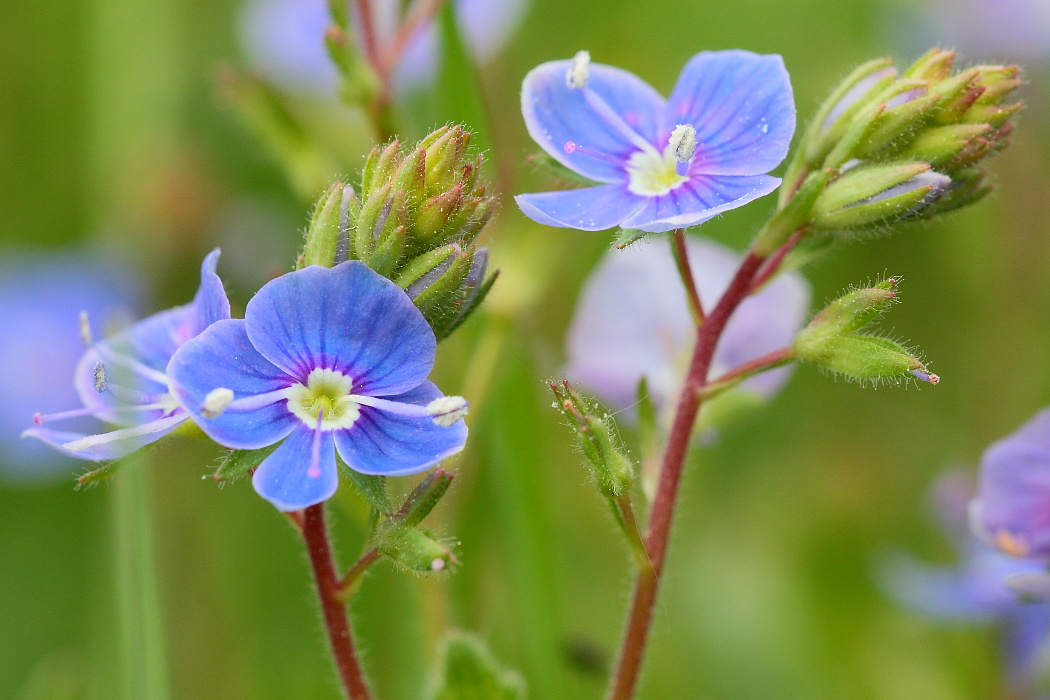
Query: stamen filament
x=135, y=431
x=410, y=410
x=615, y=121
x=573, y=147
x=41, y=418
x=130, y=363
x=252, y=403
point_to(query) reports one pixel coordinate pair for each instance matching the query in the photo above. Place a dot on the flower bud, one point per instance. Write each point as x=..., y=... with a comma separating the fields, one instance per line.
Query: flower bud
x=967, y=187
x=327, y=237
x=413, y=548
x=379, y=166
x=851, y=312
x=612, y=470
x=862, y=357
x=872, y=195
x=442, y=292
x=852, y=96
x=941, y=146
x=935, y=65
x=423, y=498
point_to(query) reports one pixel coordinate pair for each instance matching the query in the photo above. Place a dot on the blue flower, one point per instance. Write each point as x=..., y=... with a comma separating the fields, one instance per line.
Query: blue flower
x=285, y=39
x=632, y=321
x=41, y=298
x=325, y=359
x=122, y=379
x=1012, y=508
x=981, y=588
x=664, y=164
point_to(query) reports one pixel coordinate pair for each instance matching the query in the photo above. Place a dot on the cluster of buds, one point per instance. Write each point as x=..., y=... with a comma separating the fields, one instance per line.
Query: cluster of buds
x=897, y=146
x=414, y=219
x=832, y=341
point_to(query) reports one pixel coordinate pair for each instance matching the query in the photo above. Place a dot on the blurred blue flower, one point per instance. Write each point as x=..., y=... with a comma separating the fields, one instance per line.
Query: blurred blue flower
x=665, y=164
x=121, y=380
x=1015, y=29
x=632, y=321
x=1012, y=508
x=978, y=588
x=325, y=359
x=284, y=39
x=41, y=298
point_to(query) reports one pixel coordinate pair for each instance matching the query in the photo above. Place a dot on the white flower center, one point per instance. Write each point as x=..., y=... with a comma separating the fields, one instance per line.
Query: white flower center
x=325, y=390
x=652, y=173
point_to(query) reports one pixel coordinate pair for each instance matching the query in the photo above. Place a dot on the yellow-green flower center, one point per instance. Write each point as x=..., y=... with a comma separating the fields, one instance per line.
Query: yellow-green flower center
x=328, y=391
x=652, y=173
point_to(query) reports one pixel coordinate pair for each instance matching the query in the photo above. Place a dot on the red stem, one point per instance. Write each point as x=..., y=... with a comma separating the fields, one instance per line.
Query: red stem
x=681, y=259
x=767, y=361
x=772, y=263
x=316, y=536
x=659, y=530
x=368, y=32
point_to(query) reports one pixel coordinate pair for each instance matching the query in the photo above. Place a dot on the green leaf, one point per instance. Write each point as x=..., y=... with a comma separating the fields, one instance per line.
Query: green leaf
x=371, y=487
x=237, y=463
x=469, y=672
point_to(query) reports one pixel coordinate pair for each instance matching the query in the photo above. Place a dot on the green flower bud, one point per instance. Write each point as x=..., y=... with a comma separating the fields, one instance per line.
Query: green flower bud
x=873, y=195
x=850, y=312
x=908, y=102
x=322, y=235
x=612, y=470
x=423, y=498
x=940, y=146
x=846, y=101
x=968, y=187
x=935, y=65
x=379, y=167
x=412, y=548
x=863, y=357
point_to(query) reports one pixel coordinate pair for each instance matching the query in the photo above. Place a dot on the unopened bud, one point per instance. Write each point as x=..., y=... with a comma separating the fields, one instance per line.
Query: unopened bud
x=852, y=95
x=852, y=311
x=424, y=497
x=874, y=195
x=940, y=146
x=579, y=70
x=322, y=236
x=612, y=470
x=860, y=357
x=413, y=548
x=935, y=65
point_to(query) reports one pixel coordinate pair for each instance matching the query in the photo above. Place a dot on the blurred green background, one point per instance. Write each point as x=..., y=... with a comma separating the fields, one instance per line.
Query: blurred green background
x=113, y=133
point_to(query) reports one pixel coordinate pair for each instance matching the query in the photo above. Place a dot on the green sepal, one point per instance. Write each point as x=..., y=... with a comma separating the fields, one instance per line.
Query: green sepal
x=847, y=147
x=626, y=236
x=845, y=203
x=237, y=463
x=468, y=671
x=322, y=235
x=424, y=497
x=372, y=487
x=420, y=265
x=860, y=357
x=896, y=125
x=852, y=311
x=597, y=437
x=471, y=304
x=792, y=216
x=941, y=145
x=439, y=301
x=934, y=65
x=968, y=187
x=818, y=140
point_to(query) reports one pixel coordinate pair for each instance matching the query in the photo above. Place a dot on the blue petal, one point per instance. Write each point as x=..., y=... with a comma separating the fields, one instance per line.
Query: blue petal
x=1027, y=641
x=742, y=108
x=556, y=114
x=701, y=198
x=284, y=478
x=108, y=446
x=586, y=209
x=380, y=442
x=222, y=356
x=348, y=319
x=210, y=303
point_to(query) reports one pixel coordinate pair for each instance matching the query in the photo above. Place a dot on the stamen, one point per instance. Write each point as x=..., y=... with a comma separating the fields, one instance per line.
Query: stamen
x=579, y=70
x=216, y=402
x=314, y=472
x=252, y=403
x=134, y=396
x=85, y=330
x=99, y=376
x=409, y=410
x=130, y=363
x=136, y=431
x=437, y=565
x=572, y=147
x=446, y=410
x=683, y=143
x=41, y=418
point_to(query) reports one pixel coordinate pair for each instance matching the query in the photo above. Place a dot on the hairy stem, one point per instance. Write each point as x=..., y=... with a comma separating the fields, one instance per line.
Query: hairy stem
x=316, y=536
x=769, y=361
x=681, y=259
x=348, y=584
x=658, y=533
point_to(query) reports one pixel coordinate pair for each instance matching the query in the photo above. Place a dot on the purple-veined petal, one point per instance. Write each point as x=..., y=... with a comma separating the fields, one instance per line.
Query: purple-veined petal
x=223, y=357
x=1014, y=490
x=632, y=321
x=701, y=198
x=348, y=319
x=556, y=114
x=210, y=304
x=742, y=107
x=380, y=442
x=107, y=446
x=290, y=479
x=587, y=209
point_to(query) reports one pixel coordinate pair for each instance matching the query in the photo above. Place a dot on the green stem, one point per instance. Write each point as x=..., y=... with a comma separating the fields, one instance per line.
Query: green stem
x=141, y=628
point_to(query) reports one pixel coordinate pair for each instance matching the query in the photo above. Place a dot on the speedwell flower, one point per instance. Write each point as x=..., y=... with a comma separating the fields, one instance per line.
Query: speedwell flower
x=664, y=164
x=325, y=359
x=978, y=589
x=1012, y=508
x=632, y=321
x=122, y=380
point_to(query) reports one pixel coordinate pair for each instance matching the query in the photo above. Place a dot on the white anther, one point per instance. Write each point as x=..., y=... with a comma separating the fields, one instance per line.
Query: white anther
x=446, y=410
x=99, y=375
x=437, y=564
x=85, y=330
x=216, y=402
x=579, y=70
x=683, y=141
